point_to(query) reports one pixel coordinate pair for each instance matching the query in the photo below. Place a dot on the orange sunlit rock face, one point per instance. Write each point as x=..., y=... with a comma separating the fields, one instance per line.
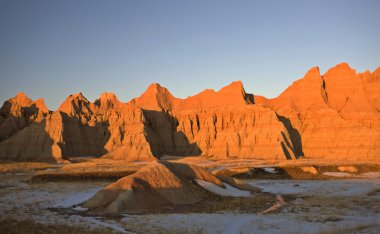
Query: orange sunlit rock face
x=334, y=115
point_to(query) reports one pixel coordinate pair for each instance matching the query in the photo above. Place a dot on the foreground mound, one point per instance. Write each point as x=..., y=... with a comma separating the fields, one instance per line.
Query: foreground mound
x=155, y=186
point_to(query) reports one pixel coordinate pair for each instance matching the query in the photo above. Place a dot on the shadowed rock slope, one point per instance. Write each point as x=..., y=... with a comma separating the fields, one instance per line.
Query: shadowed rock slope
x=334, y=115
x=155, y=186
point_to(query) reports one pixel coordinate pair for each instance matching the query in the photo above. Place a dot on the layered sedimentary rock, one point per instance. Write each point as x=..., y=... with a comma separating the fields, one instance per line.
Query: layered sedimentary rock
x=249, y=132
x=335, y=115
x=159, y=98
x=18, y=113
x=81, y=128
x=155, y=186
x=222, y=124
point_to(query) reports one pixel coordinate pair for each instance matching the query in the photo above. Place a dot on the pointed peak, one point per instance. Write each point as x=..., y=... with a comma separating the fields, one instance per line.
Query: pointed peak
x=376, y=71
x=21, y=95
x=40, y=104
x=155, y=97
x=313, y=73
x=341, y=70
x=236, y=83
x=21, y=99
x=343, y=65
x=108, y=96
x=77, y=96
x=75, y=104
x=233, y=86
x=156, y=88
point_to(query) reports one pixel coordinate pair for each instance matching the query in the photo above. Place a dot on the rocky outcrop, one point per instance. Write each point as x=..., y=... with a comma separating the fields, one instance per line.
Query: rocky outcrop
x=250, y=132
x=37, y=142
x=223, y=124
x=159, y=98
x=232, y=95
x=81, y=128
x=334, y=115
x=155, y=186
x=18, y=113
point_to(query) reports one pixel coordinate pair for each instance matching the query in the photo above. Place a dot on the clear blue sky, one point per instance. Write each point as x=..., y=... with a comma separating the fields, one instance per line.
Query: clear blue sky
x=51, y=49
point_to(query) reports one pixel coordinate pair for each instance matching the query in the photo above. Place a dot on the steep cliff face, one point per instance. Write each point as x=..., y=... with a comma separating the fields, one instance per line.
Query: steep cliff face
x=214, y=125
x=371, y=82
x=250, y=132
x=37, y=142
x=128, y=136
x=81, y=128
x=335, y=115
x=18, y=113
x=106, y=127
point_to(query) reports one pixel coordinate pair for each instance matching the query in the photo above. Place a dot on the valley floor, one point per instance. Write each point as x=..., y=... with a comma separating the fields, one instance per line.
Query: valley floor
x=331, y=205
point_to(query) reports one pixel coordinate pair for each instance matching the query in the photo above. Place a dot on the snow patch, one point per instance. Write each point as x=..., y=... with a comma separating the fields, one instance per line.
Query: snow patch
x=75, y=198
x=270, y=170
x=229, y=191
x=79, y=208
x=338, y=188
x=337, y=174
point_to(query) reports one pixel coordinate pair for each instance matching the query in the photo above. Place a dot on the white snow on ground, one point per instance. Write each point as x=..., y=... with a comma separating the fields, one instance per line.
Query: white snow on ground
x=229, y=191
x=109, y=224
x=320, y=206
x=337, y=174
x=270, y=170
x=23, y=201
x=75, y=198
x=231, y=223
x=79, y=208
x=352, y=187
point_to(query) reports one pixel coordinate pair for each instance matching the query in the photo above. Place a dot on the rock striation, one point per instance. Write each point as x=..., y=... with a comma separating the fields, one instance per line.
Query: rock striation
x=155, y=186
x=334, y=115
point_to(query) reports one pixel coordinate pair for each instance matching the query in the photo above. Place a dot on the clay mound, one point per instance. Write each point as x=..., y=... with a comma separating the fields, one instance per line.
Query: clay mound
x=155, y=186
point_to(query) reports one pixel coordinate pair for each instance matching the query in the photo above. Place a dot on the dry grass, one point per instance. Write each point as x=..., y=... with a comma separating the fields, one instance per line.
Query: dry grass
x=19, y=167
x=11, y=226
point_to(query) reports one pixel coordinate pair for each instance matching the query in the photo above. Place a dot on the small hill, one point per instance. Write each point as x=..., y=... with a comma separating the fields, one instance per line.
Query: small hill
x=155, y=186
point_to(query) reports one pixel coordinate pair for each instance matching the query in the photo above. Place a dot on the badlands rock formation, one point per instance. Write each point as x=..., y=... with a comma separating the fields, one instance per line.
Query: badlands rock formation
x=155, y=186
x=335, y=115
